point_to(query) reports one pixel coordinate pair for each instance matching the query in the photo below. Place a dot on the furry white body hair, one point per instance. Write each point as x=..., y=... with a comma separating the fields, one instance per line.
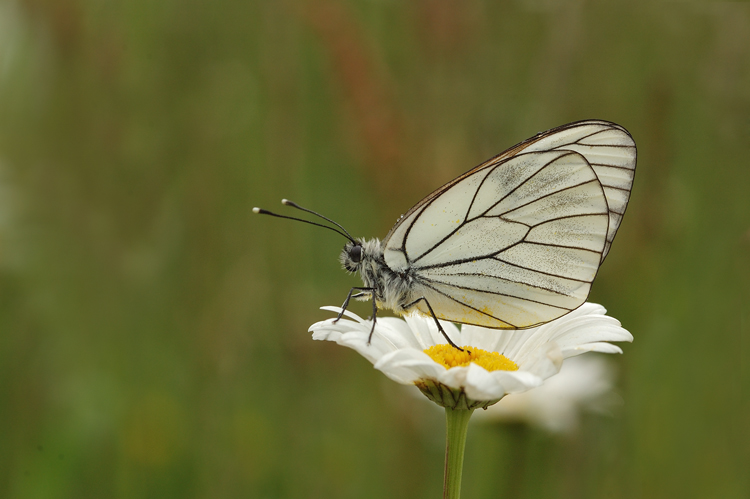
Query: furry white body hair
x=392, y=290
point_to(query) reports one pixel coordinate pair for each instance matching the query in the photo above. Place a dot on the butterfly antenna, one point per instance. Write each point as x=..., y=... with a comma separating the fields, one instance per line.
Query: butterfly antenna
x=295, y=205
x=261, y=211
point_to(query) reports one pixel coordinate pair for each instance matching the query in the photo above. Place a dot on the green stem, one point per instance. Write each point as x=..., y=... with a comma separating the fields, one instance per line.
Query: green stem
x=456, y=424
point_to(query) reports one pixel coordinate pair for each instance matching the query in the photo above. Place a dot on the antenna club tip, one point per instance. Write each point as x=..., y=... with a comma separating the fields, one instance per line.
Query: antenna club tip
x=256, y=210
x=285, y=201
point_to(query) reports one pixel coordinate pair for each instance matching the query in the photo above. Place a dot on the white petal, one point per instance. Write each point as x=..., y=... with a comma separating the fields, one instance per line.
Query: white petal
x=347, y=313
x=480, y=384
x=591, y=347
x=390, y=334
x=517, y=381
x=544, y=362
x=426, y=332
x=476, y=381
x=395, y=331
x=582, y=326
x=409, y=365
x=588, y=308
x=353, y=335
x=421, y=330
x=481, y=337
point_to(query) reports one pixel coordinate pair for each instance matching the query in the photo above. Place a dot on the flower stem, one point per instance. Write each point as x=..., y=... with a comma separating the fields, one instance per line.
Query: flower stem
x=456, y=424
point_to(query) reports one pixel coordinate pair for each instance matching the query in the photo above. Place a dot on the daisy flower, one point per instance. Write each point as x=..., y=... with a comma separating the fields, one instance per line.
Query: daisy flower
x=492, y=364
x=412, y=351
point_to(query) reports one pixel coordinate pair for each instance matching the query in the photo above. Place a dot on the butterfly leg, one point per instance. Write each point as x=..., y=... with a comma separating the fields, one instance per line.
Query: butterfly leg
x=374, y=314
x=440, y=328
x=350, y=296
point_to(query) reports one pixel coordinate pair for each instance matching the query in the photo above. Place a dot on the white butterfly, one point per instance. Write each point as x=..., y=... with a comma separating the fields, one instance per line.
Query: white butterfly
x=511, y=244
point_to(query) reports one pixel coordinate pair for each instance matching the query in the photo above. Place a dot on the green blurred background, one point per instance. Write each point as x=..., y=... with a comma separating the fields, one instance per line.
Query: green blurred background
x=153, y=331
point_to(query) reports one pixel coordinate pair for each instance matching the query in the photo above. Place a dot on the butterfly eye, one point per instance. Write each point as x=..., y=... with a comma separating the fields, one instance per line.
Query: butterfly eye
x=355, y=253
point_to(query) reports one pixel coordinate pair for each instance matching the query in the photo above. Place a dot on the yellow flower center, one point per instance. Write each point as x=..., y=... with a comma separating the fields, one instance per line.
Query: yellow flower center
x=448, y=356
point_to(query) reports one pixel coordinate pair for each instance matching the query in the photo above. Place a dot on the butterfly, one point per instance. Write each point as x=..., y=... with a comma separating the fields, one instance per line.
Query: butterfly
x=511, y=244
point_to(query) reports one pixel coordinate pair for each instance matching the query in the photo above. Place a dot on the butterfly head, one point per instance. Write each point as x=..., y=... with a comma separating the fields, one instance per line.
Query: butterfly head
x=351, y=256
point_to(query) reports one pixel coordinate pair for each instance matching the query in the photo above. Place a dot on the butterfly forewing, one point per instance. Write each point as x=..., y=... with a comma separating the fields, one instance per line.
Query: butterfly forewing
x=517, y=241
x=516, y=181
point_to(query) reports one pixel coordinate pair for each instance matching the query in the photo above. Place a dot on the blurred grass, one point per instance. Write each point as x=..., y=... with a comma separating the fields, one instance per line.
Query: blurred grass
x=153, y=334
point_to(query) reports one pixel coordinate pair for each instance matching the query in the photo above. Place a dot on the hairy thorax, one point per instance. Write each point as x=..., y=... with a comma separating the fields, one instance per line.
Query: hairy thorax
x=393, y=290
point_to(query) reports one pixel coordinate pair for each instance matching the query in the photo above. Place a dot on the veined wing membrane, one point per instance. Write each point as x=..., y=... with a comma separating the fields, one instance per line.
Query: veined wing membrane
x=581, y=199
x=423, y=228
x=562, y=185
x=527, y=177
x=488, y=269
x=565, y=263
x=547, y=269
x=476, y=238
x=517, y=241
x=611, y=152
x=561, y=292
x=487, y=309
